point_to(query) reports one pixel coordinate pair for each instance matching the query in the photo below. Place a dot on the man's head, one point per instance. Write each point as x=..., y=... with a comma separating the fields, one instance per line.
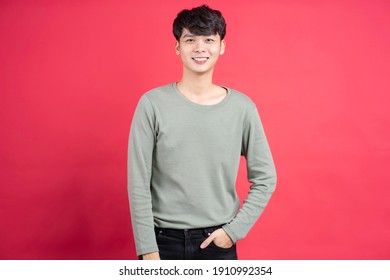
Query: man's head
x=200, y=21
x=199, y=37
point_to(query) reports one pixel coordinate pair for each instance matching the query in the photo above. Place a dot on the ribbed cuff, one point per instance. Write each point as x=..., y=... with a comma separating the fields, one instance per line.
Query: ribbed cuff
x=147, y=250
x=231, y=234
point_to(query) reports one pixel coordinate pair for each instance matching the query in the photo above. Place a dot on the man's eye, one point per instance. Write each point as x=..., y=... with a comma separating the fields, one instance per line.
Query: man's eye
x=209, y=40
x=189, y=40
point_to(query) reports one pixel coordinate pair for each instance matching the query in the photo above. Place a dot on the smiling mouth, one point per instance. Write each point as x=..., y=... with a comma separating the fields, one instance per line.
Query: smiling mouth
x=200, y=59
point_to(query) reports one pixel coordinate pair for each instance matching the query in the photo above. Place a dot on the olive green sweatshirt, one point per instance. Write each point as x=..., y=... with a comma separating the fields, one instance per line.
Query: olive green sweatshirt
x=183, y=159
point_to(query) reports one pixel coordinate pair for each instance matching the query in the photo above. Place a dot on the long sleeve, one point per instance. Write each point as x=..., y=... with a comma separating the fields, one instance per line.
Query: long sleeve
x=261, y=173
x=140, y=153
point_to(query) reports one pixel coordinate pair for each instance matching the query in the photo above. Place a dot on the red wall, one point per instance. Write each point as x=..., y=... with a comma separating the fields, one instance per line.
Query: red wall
x=72, y=73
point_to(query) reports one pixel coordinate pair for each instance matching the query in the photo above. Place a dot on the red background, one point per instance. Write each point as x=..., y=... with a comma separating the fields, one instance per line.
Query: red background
x=72, y=73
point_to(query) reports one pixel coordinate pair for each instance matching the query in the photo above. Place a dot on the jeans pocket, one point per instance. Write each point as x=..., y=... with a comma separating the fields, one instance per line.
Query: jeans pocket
x=222, y=248
x=219, y=253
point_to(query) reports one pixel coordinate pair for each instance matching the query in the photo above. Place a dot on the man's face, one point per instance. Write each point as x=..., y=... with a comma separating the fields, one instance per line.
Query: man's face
x=199, y=53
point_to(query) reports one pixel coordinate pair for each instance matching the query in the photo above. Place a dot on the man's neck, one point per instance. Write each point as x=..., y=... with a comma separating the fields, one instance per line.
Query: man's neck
x=196, y=84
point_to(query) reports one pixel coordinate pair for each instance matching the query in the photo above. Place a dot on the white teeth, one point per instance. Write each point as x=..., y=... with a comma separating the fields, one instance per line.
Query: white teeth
x=200, y=58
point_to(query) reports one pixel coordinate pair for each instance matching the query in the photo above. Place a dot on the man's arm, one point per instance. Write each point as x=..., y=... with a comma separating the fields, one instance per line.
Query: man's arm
x=140, y=152
x=261, y=173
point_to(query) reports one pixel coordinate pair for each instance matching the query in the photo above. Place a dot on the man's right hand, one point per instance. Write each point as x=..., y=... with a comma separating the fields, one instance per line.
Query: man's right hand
x=151, y=256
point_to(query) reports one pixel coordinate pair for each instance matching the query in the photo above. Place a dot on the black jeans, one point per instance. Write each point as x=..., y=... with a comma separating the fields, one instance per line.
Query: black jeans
x=177, y=244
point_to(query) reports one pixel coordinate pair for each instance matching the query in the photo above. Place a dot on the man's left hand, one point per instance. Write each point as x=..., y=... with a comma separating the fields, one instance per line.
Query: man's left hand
x=220, y=238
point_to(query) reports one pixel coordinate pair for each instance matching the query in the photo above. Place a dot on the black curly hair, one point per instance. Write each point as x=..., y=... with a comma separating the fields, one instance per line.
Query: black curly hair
x=201, y=20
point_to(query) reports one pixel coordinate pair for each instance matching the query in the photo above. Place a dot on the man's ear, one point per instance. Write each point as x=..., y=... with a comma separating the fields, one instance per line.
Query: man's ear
x=177, y=47
x=223, y=45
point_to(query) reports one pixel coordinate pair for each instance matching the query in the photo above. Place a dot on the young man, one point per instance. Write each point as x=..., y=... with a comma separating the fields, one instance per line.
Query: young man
x=186, y=139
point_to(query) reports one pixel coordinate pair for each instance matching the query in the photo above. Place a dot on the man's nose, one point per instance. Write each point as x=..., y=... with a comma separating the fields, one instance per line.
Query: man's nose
x=199, y=48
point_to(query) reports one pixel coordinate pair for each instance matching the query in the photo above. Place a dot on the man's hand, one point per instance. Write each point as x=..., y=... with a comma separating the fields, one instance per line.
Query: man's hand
x=220, y=238
x=151, y=256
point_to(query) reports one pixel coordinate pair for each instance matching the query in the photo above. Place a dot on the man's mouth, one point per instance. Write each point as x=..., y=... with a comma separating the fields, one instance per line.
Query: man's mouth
x=200, y=58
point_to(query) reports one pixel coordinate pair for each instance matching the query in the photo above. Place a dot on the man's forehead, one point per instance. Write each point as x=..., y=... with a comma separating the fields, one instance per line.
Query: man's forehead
x=186, y=33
